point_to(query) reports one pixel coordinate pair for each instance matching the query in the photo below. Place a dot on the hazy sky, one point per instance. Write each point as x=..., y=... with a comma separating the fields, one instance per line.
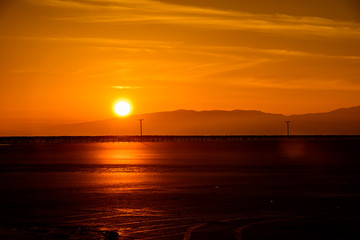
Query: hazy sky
x=71, y=59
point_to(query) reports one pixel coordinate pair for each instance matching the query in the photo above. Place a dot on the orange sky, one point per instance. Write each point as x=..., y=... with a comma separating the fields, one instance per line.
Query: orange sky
x=68, y=61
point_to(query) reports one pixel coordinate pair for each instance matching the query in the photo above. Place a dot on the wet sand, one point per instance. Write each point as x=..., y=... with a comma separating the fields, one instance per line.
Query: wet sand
x=181, y=190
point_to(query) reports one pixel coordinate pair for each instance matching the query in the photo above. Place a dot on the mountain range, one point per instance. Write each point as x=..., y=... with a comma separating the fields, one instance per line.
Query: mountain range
x=344, y=121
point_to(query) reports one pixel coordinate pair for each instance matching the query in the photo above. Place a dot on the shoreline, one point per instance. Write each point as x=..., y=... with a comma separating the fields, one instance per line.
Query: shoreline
x=171, y=138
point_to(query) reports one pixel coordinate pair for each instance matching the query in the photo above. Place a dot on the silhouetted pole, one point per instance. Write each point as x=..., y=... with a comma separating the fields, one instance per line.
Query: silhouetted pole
x=141, y=128
x=288, y=127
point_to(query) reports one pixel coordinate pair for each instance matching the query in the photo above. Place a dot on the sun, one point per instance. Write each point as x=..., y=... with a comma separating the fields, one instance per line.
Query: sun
x=122, y=108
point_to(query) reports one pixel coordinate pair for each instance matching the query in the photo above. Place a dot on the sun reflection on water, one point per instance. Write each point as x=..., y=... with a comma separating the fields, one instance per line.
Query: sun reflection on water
x=124, y=153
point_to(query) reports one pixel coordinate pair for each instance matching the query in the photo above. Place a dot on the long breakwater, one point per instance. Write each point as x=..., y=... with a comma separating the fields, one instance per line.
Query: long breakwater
x=171, y=138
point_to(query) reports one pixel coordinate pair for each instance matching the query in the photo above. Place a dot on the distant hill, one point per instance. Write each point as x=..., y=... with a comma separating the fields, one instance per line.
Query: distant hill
x=340, y=121
x=344, y=121
x=237, y=122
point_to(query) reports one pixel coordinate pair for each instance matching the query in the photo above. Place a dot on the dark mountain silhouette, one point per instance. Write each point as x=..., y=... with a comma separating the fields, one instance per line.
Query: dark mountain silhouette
x=237, y=122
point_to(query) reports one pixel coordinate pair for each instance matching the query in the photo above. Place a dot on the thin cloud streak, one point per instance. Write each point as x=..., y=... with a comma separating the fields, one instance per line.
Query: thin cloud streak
x=153, y=12
x=125, y=87
x=178, y=47
x=136, y=5
x=297, y=85
x=225, y=63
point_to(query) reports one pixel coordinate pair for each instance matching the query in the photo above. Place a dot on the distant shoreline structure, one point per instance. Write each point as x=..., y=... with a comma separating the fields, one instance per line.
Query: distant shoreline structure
x=171, y=138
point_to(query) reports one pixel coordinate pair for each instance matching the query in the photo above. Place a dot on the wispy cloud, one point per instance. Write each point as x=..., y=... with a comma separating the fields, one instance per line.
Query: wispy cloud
x=176, y=47
x=170, y=60
x=125, y=87
x=305, y=84
x=134, y=5
x=156, y=12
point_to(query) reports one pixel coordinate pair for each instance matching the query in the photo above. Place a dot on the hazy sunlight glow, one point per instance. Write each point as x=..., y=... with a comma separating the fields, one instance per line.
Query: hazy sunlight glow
x=122, y=108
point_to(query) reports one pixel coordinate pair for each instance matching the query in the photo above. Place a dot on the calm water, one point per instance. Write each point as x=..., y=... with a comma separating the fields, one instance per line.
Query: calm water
x=287, y=189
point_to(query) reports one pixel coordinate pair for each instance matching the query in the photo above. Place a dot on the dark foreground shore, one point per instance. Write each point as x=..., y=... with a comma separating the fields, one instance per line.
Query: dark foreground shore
x=258, y=188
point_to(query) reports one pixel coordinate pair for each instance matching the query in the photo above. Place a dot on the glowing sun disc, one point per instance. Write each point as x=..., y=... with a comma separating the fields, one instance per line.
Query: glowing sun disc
x=122, y=108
